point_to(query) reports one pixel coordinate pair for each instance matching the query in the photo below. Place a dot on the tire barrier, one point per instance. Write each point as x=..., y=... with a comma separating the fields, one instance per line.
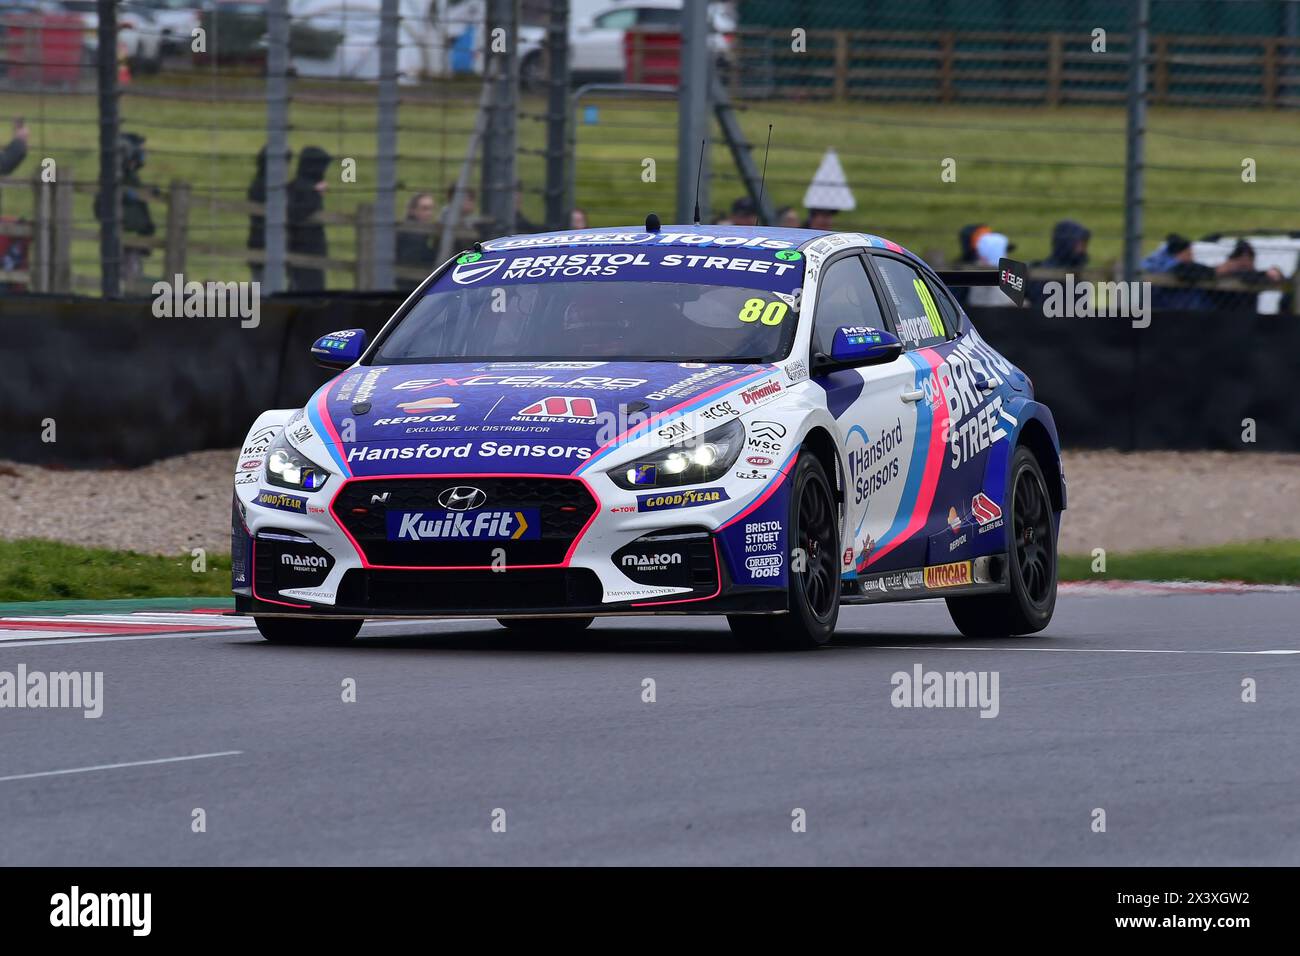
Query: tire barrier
x=124, y=388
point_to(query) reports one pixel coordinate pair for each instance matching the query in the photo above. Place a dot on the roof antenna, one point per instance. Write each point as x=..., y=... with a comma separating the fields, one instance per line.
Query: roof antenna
x=763, y=180
x=699, y=168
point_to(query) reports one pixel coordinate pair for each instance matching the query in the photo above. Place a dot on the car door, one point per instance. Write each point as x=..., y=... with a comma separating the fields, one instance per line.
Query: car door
x=936, y=525
x=876, y=411
x=598, y=47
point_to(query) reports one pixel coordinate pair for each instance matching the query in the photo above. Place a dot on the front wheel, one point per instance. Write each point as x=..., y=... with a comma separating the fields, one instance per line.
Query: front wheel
x=1027, y=608
x=304, y=631
x=814, y=572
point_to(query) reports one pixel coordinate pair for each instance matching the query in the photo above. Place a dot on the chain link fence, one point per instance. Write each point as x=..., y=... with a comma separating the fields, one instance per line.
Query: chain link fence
x=936, y=123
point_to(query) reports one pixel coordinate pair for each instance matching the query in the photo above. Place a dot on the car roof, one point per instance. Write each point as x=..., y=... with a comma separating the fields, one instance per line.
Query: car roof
x=798, y=238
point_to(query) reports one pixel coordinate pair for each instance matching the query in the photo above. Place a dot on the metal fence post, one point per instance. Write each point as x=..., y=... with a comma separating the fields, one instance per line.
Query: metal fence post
x=385, y=231
x=1135, y=140
x=110, y=205
x=277, y=144
x=693, y=114
x=557, y=115
x=501, y=35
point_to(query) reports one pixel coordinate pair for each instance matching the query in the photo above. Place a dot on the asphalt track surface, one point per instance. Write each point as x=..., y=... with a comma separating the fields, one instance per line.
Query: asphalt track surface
x=1131, y=704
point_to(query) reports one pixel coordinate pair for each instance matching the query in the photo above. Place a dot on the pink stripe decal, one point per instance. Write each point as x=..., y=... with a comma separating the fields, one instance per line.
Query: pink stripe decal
x=767, y=492
x=930, y=477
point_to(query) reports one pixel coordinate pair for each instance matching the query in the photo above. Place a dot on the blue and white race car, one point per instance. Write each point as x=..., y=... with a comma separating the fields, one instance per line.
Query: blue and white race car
x=757, y=422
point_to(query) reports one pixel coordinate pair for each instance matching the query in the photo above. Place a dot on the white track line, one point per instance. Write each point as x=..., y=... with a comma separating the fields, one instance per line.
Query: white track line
x=116, y=766
x=1071, y=650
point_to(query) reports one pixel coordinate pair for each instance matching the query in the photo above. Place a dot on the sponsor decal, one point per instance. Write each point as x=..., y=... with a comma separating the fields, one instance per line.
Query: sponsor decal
x=766, y=436
x=472, y=270
x=556, y=408
x=590, y=382
x=753, y=474
x=976, y=416
x=954, y=522
x=636, y=239
x=848, y=557
x=762, y=537
x=690, y=383
x=622, y=509
x=482, y=525
x=948, y=575
x=789, y=255
x=632, y=594
x=719, y=410
x=651, y=562
x=691, y=365
x=759, y=461
x=796, y=371
x=893, y=582
x=302, y=433
x=564, y=366
x=250, y=464
x=673, y=431
x=680, y=499
x=764, y=566
x=763, y=391
x=280, y=501
x=876, y=463
x=988, y=515
x=957, y=543
x=248, y=478
x=861, y=335
x=260, y=441
x=304, y=562
x=487, y=449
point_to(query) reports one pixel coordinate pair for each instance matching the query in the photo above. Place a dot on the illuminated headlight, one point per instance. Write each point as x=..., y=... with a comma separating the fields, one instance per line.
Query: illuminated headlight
x=289, y=468
x=699, y=459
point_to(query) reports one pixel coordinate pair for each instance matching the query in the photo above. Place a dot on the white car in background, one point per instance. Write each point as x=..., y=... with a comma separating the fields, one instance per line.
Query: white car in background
x=596, y=37
x=176, y=21
x=138, y=36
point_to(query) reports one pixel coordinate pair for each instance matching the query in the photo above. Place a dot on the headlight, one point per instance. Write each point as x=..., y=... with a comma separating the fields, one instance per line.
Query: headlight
x=701, y=458
x=289, y=468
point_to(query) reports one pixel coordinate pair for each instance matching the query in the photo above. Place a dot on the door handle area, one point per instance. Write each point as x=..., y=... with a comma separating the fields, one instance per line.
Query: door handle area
x=913, y=396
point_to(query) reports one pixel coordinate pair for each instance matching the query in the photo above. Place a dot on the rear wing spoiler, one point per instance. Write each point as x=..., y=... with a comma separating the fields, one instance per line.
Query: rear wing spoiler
x=1010, y=276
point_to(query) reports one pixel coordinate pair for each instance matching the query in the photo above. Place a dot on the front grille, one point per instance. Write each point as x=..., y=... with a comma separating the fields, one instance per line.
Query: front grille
x=564, y=507
x=487, y=592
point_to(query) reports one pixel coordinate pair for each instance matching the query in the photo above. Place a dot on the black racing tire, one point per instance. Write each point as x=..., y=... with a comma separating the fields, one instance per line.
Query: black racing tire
x=305, y=632
x=546, y=625
x=1031, y=543
x=814, y=525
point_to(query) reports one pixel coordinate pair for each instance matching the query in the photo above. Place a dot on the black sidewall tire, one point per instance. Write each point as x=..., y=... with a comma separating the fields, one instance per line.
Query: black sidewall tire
x=1034, y=616
x=807, y=628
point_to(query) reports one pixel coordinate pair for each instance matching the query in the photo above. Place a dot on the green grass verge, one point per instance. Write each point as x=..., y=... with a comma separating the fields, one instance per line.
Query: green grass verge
x=33, y=570
x=1255, y=562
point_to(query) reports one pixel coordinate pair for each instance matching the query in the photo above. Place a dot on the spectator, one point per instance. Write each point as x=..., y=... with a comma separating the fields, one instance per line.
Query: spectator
x=578, y=218
x=468, y=206
x=415, y=246
x=787, y=217
x=306, y=200
x=135, y=207
x=744, y=212
x=990, y=249
x=16, y=151
x=1069, y=246
x=1174, y=259
x=820, y=219
x=1242, y=258
x=967, y=236
x=257, y=221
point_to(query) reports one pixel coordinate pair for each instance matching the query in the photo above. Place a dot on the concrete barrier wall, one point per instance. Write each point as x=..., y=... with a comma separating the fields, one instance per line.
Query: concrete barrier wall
x=125, y=388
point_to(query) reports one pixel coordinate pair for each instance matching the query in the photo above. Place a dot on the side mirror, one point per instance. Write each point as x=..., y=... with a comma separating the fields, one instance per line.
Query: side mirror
x=857, y=345
x=339, y=349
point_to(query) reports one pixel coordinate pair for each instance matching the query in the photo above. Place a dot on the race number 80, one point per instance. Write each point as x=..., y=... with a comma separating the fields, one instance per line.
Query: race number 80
x=768, y=313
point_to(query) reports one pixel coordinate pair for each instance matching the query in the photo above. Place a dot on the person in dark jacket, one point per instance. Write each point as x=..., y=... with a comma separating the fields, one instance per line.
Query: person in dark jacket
x=135, y=207
x=16, y=151
x=1242, y=258
x=256, y=221
x=1069, y=253
x=307, y=199
x=415, y=244
x=1174, y=259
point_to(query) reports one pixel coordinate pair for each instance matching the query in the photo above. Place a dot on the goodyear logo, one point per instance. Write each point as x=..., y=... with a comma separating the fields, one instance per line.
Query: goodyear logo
x=281, y=501
x=948, y=575
x=680, y=499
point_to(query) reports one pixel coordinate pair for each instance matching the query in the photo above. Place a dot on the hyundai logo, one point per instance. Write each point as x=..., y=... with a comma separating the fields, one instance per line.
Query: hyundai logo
x=462, y=498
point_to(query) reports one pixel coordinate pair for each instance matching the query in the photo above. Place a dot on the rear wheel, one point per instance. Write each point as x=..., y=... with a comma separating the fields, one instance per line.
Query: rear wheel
x=308, y=631
x=1027, y=608
x=546, y=625
x=814, y=525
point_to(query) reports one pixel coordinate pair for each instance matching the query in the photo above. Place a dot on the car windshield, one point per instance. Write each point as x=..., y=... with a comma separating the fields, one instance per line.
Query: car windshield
x=728, y=305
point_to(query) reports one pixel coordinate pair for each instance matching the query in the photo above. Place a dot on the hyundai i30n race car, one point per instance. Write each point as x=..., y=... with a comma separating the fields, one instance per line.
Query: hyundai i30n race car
x=755, y=422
